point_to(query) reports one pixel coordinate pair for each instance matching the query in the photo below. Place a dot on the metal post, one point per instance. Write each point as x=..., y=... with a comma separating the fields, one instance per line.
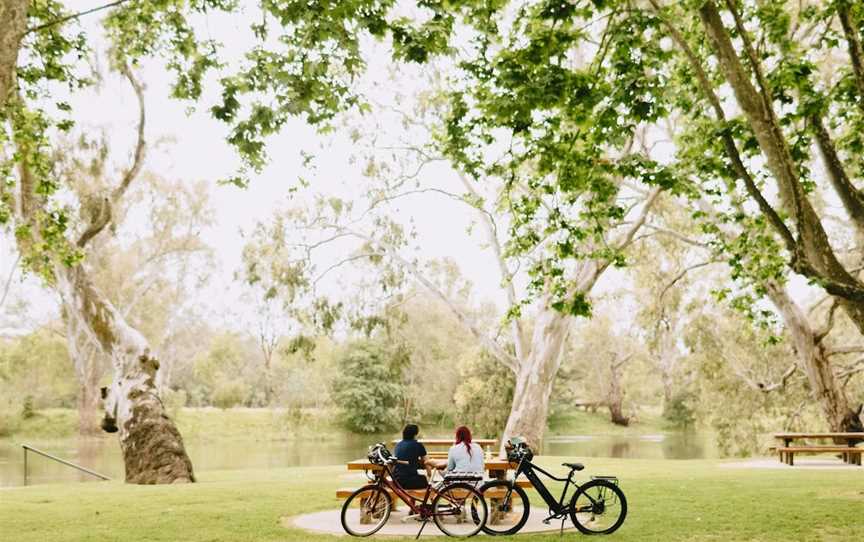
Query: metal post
x=57, y=459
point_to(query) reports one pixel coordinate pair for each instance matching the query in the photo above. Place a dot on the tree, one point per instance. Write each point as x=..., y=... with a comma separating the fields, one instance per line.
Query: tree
x=368, y=388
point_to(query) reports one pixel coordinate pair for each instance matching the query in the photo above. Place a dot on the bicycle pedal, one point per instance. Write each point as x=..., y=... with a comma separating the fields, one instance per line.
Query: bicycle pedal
x=547, y=521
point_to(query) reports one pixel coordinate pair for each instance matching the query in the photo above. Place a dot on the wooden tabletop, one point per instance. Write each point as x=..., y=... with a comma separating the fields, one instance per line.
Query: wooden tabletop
x=817, y=435
x=449, y=441
x=492, y=464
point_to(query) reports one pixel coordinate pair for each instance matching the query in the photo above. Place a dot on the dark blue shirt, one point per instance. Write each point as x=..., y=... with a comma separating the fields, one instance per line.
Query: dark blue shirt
x=410, y=451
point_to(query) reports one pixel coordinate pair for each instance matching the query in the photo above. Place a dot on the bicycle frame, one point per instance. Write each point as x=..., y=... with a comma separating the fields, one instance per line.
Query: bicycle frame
x=557, y=507
x=417, y=506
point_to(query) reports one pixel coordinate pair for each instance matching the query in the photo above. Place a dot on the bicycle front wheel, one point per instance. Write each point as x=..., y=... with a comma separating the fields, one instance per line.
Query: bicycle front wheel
x=598, y=507
x=508, y=507
x=366, y=511
x=459, y=510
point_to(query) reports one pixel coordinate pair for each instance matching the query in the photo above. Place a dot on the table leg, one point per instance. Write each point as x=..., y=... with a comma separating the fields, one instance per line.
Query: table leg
x=498, y=474
x=365, y=517
x=495, y=514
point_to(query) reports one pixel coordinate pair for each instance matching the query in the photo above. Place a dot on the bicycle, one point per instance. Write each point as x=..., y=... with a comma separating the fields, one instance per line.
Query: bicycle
x=457, y=509
x=597, y=507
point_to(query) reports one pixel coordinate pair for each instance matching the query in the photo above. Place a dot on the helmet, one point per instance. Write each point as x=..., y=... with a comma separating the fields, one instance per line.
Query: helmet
x=379, y=454
x=518, y=449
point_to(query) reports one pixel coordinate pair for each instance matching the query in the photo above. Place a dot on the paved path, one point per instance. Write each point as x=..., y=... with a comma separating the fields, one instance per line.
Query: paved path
x=327, y=522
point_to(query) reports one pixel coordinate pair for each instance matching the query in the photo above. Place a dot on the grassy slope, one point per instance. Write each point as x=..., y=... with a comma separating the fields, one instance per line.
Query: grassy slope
x=669, y=500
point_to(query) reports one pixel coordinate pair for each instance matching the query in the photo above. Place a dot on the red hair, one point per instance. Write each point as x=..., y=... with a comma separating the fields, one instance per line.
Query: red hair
x=463, y=435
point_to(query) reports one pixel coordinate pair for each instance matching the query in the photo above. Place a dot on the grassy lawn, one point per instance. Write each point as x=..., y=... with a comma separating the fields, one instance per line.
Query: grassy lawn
x=669, y=500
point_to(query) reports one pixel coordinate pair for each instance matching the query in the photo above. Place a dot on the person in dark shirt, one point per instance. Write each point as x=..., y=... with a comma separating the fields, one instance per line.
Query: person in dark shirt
x=410, y=450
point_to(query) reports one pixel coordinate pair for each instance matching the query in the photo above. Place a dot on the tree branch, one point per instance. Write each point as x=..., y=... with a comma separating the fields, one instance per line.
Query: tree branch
x=62, y=20
x=728, y=142
x=855, y=50
x=851, y=349
x=852, y=198
x=104, y=214
x=506, y=275
x=9, y=280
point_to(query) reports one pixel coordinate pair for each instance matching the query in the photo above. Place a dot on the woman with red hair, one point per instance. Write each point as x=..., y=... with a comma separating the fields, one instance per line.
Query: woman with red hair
x=464, y=455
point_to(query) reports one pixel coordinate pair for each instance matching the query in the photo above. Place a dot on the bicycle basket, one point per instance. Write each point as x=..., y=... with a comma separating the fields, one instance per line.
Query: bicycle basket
x=379, y=454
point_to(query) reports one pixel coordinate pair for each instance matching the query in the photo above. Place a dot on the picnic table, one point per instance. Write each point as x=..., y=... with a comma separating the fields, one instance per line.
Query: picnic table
x=850, y=453
x=497, y=468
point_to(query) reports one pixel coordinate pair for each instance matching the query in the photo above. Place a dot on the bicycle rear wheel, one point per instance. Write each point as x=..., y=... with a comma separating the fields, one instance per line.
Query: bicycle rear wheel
x=366, y=511
x=459, y=510
x=598, y=507
x=508, y=507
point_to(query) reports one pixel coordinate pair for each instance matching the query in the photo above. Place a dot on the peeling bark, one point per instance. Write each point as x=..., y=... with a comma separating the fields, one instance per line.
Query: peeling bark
x=535, y=378
x=153, y=450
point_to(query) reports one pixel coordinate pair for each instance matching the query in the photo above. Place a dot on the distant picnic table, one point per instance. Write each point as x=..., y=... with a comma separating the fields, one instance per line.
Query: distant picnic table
x=849, y=452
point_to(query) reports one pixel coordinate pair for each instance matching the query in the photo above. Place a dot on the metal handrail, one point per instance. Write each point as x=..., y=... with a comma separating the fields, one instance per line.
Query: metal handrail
x=57, y=459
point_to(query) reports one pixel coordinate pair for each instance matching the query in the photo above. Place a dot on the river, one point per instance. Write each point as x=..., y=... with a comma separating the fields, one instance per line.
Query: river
x=102, y=454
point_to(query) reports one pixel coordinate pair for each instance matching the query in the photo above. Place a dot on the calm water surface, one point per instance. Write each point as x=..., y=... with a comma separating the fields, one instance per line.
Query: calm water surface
x=102, y=454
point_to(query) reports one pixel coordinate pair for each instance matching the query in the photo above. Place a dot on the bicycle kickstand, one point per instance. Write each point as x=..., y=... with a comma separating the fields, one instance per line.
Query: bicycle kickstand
x=422, y=526
x=561, y=532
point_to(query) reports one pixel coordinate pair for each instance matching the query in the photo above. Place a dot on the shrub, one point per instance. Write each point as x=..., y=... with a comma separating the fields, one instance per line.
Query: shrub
x=484, y=397
x=368, y=388
x=227, y=393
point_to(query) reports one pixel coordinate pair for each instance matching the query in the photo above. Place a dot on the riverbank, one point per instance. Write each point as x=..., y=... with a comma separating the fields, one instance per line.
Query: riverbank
x=669, y=500
x=275, y=424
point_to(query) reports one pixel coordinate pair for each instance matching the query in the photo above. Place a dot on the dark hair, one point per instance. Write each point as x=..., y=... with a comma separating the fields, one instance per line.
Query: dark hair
x=463, y=435
x=410, y=432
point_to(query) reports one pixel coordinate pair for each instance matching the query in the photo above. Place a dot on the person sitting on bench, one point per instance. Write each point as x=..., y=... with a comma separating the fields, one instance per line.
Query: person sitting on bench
x=464, y=455
x=408, y=449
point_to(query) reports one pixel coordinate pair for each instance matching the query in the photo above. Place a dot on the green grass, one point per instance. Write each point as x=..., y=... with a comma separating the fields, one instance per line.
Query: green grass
x=669, y=500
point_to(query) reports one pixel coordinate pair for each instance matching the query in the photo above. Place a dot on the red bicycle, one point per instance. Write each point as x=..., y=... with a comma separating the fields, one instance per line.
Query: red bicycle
x=457, y=507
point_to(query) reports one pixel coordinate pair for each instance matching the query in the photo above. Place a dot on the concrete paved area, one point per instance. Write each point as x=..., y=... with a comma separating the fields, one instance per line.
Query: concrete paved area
x=327, y=522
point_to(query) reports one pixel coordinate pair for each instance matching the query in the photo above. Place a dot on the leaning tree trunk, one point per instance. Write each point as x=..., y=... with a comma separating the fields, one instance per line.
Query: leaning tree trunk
x=814, y=362
x=153, y=450
x=615, y=395
x=535, y=377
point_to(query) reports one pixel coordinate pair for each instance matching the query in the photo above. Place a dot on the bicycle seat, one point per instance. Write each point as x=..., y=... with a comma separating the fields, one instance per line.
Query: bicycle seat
x=574, y=466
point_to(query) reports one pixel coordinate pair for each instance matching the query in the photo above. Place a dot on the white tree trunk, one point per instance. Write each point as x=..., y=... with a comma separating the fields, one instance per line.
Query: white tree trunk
x=153, y=450
x=535, y=377
x=814, y=363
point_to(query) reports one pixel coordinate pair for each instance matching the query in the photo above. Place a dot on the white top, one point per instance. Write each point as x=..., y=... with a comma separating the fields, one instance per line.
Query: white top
x=459, y=460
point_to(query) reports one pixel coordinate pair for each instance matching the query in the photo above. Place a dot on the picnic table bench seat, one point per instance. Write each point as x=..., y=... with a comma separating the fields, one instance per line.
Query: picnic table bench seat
x=850, y=453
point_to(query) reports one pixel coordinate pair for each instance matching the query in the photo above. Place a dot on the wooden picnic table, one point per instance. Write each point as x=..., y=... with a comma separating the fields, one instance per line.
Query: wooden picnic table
x=497, y=467
x=849, y=452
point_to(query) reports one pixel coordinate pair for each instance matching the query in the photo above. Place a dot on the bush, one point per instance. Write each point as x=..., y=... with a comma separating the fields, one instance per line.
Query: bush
x=678, y=412
x=10, y=419
x=227, y=393
x=484, y=397
x=368, y=388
